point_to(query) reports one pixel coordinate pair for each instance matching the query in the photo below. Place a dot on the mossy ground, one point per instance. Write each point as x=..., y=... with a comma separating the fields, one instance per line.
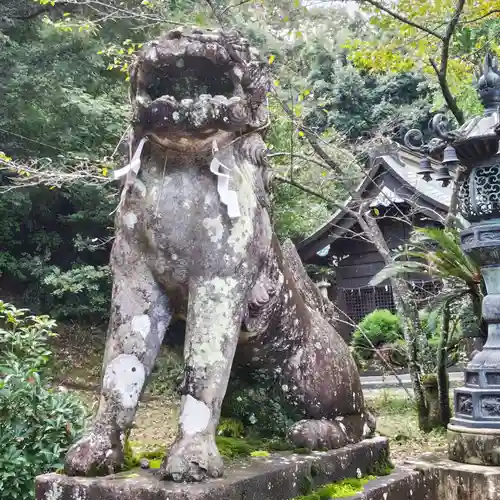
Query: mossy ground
x=397, y=419
x=230, y=448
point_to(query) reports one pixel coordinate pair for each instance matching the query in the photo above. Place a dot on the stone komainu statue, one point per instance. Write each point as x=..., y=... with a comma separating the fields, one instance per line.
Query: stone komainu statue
x=194, y=239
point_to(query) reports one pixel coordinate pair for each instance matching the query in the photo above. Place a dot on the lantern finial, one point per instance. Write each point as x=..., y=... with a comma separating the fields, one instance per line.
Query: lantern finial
x=489, y=82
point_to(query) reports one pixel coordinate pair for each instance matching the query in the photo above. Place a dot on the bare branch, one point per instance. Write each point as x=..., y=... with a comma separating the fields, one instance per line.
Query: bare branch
x=217, y=15
x=307, y=190
x=403, y=19
x=313, y=140
x=302, y=157
x=42, y=173
x=488, y=14
x=442, y=71
x=233, y=6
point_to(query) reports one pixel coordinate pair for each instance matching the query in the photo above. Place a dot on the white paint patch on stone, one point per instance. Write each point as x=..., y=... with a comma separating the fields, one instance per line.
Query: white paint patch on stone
x=141, y=325
x=124, y=378
x=195, y=416
x=214, y=228
x=130, y=220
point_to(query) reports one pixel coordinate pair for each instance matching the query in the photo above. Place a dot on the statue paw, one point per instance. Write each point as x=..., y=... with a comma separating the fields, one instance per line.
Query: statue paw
x=319, y=434
x=192, y=459
x=97, y=453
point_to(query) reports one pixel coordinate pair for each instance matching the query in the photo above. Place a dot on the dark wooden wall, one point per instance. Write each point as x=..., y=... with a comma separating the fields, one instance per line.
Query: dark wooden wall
x=360, y=260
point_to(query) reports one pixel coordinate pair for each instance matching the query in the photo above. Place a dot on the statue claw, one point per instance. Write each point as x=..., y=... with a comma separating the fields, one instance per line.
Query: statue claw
x=97, y=453
x=192, y=459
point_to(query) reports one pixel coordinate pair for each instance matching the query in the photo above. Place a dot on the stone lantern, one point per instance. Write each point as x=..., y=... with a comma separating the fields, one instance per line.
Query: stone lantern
x=474, y=431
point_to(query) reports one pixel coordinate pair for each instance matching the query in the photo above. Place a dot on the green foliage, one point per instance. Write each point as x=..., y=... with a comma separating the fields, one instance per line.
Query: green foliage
x=81, y=292
x=230, y=427
x=378, y=328
x=356, y=103
x=399, y=47
x=345, y=488
x=382, y=467
x=168, y=373
x=437, y=253
x=37, y=424
x=233, y=447
x=257, y=400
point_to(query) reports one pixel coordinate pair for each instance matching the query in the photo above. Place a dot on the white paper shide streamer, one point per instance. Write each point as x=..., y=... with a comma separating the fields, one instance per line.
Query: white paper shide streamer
x=227, y=196
x=135, y=162
x=131, y=170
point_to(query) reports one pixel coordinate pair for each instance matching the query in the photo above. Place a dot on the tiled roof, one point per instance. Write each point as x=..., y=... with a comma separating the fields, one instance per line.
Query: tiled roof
x=403, y=165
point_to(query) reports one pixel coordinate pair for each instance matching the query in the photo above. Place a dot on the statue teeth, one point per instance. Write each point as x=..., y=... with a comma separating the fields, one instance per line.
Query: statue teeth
x=220, y=99
x=187, y=103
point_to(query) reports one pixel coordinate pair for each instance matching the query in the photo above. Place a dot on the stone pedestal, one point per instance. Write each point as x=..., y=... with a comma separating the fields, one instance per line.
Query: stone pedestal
x=449, y=480
x=474, y=446
x=279, y=477
x=474, y=432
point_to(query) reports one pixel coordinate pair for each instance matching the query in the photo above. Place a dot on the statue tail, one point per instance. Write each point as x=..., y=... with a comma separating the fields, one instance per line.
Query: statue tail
x=308, y=290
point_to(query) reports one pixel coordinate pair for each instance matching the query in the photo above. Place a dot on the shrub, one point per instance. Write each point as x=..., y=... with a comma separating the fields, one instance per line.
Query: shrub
x=37, y=424
x=257, y=399
x=168, y=373
x=81, y=293
x=378, y=328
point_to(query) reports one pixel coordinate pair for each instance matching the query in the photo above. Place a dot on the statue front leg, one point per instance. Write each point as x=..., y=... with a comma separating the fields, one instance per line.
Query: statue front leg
x=213, y=327
x=139, y=318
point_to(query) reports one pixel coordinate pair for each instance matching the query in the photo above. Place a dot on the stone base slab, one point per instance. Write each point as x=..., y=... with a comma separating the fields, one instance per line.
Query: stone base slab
x=404, y=483
x=278, y=477
x=474, y=446
x=453, y=481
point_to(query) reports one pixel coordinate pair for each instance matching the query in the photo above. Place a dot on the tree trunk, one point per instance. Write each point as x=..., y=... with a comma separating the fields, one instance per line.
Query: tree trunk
x=412, y=333
x=431, y=390
x=407, y=309
x=442, y=372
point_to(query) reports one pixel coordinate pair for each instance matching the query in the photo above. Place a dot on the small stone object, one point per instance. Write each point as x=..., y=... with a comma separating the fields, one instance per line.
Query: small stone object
x=144, y=463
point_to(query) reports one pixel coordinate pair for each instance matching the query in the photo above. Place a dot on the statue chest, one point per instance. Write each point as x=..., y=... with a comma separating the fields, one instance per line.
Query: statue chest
x=184, y=228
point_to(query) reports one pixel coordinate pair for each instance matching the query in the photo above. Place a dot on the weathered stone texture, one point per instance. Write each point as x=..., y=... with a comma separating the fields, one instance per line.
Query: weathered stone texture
x=194, y=240
x=280, y=477
x=476, y=448
x=403, y=484
x=458, y=481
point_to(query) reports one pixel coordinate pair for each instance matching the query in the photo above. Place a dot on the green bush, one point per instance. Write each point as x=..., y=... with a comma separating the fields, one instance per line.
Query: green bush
x=167, y=374
x=37, y=423
x=256, y=399
x=81, y=293
x=380, y=327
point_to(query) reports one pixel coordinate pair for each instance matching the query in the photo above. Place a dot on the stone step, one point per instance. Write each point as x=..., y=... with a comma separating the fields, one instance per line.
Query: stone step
x=278, y=477
x=404, y=483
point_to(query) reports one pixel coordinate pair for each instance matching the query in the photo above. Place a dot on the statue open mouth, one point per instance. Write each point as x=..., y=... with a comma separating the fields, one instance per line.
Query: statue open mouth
x=191, y=85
